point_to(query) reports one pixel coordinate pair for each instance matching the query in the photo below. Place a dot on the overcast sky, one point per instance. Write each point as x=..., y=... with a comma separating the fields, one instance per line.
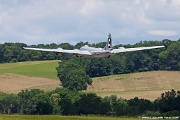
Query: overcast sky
x=72, y=21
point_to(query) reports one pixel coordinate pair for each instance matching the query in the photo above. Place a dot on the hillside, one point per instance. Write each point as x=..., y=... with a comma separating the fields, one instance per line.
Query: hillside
x=147, y=85
x=42, y=74
x=27, y=75
x=43, y=69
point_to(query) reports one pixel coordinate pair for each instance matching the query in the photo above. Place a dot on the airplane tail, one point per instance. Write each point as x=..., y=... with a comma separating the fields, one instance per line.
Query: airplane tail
x=109, y=43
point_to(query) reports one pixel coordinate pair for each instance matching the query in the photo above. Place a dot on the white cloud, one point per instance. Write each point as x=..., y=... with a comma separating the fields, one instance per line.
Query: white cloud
x=89, y=7
x=47, y=21
x=162, y=33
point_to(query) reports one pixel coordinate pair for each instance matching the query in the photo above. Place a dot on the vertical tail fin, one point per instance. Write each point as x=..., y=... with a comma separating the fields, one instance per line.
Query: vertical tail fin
x=109, y=43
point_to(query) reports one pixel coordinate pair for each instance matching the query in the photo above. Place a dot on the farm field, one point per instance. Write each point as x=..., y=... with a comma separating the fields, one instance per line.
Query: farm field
x=43, y=69
x=47, y=117
x=15, y=77
x=147, y=85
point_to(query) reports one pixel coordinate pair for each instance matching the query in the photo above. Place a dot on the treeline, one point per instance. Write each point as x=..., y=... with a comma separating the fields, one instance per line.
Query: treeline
x=167, y=58
x=66, y=102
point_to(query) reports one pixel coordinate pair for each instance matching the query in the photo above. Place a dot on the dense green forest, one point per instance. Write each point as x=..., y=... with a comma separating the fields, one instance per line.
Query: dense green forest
x=66, y=102
x=167, y=58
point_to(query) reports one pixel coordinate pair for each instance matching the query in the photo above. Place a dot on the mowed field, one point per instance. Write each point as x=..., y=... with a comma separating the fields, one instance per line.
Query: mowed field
x=15, y=77
x=148, y=85
x=43, y=75
x=43, y=69
x=51, y=117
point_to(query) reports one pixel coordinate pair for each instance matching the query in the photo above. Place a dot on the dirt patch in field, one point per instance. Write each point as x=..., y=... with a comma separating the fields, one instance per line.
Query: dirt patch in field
x=147, y=85
x=13, y=83
x=150, y=95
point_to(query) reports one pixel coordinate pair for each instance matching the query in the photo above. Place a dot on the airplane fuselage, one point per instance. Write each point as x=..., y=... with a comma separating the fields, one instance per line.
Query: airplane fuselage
x=97, y=52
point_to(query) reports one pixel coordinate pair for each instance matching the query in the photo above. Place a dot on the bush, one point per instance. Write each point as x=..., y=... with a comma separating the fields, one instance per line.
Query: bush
x=152, y=114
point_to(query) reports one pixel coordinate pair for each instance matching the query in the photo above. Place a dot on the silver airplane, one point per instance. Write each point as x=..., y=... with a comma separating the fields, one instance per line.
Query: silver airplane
x=105, y=52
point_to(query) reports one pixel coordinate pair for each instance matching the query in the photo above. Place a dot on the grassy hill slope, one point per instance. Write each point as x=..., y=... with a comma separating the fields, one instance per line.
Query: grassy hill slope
x=147, y=85
x=44, y=69
x=42, y=74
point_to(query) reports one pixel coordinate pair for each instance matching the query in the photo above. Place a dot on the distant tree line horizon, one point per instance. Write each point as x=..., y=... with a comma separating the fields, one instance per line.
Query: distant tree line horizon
x=66, y=102
x=167, y=58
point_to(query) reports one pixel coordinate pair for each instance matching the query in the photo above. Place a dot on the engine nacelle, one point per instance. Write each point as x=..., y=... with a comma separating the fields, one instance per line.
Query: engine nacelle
x=122, y=52
x=121, y=48
x=60, y=53
x=76, y=55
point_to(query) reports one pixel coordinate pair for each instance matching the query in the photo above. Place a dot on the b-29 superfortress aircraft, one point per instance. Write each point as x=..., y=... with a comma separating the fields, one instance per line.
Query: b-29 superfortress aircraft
x=105, y=52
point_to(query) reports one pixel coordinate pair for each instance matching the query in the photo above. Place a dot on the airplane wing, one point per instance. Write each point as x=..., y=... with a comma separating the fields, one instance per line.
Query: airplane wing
x=60, y=50
x=122, y=49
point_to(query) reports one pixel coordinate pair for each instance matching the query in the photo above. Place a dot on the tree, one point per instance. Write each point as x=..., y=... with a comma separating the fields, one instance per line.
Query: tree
x=73, y=76
x=98, y=67
x=1, y=53
x=63, y=101
x=118, y=107
x=55, y=103
x=173, y=56
x=139, y=106
x=35, y=101
x=168, y=101
x=118, y=64
x=80, y=44
x=9, y=104
x=163, y=60
x=89, y=103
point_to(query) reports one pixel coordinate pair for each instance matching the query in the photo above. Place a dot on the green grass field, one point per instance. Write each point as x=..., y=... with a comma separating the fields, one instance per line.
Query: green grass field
x=44, y=69
x=51, y=117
